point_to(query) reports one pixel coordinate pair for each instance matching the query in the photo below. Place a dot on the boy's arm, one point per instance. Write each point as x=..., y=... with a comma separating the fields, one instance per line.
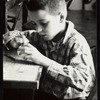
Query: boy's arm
x=78, y=73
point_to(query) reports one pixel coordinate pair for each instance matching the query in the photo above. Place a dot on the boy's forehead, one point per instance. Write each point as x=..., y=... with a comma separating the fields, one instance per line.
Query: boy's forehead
x=40, y=14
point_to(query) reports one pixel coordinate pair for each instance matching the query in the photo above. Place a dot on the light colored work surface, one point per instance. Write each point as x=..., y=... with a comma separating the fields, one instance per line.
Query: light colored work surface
x=19, y=70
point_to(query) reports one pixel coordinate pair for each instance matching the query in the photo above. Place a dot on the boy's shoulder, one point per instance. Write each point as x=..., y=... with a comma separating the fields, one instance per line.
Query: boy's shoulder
x=73, y=36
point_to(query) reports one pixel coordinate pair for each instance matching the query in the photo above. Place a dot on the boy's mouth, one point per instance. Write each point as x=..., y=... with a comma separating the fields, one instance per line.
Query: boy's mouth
x=43, y=35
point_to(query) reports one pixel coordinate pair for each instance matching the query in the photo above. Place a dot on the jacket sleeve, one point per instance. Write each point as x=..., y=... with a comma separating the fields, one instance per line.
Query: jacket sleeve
x=78, y=73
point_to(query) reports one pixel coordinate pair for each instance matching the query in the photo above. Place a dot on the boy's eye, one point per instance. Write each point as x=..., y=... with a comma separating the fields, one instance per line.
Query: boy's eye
x=35, y=26
x=44, y=24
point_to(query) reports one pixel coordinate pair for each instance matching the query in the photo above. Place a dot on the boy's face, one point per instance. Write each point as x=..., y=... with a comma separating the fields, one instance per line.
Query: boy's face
x=47, y=25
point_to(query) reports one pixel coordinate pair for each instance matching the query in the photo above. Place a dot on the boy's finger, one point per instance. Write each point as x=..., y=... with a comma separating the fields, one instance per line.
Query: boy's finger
x=27, y=57
x=22, y=47
x=22, y=55
x=25, y=52
x=28, y=47
x=25, y=40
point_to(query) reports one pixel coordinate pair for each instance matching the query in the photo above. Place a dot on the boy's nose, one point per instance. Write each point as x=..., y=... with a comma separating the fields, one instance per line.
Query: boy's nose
x=39, y=29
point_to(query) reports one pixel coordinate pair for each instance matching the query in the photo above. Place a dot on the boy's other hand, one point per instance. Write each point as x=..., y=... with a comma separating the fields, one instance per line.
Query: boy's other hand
x=16, y=42
x=19, y=40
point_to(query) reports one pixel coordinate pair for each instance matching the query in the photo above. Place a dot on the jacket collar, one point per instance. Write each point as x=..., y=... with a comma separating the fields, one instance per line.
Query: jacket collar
x=68, y=31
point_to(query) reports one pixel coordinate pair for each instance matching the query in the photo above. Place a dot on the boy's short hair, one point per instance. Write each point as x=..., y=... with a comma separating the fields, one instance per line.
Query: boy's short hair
x=54, y=6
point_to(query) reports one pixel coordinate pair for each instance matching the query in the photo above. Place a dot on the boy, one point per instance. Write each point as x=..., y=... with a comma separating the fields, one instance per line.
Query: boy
x=68, y=70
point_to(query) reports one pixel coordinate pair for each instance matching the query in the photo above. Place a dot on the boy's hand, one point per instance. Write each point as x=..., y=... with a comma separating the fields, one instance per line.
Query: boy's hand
x=29, y=52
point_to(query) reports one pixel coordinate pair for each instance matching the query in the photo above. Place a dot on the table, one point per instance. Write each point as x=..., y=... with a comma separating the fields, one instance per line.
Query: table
x=19, y=74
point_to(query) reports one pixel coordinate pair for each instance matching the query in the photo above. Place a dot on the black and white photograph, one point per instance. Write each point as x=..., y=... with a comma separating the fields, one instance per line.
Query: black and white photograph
x=50, y=50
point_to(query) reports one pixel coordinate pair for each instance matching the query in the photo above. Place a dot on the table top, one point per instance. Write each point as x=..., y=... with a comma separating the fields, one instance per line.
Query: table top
x=15, y=69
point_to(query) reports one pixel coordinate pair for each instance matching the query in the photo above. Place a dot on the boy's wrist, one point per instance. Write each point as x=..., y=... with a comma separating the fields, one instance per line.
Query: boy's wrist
x=46, y=62
x=51, y=64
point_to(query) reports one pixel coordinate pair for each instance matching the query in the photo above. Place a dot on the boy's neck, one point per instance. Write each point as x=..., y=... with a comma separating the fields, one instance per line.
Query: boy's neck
x=60, y=34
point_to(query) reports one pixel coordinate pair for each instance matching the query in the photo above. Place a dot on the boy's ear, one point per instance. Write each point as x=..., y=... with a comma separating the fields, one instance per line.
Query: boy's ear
x=61, y=18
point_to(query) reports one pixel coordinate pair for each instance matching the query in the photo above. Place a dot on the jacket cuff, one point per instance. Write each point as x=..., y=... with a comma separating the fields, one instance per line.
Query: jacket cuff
x=56, y=72
x=52, y=72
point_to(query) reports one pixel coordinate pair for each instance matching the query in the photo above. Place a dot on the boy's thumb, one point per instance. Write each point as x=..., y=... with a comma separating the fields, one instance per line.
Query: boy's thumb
x=25, y=40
